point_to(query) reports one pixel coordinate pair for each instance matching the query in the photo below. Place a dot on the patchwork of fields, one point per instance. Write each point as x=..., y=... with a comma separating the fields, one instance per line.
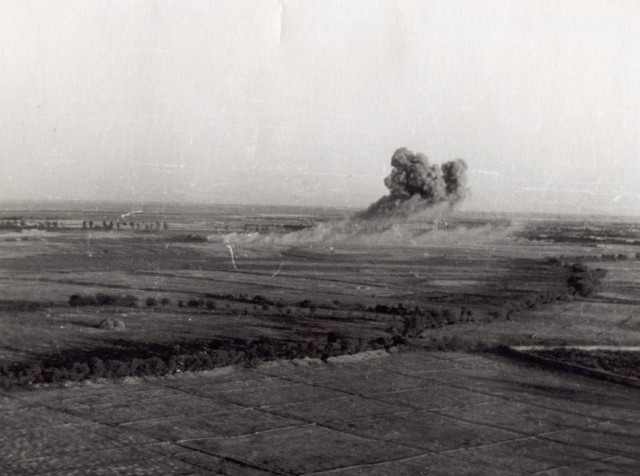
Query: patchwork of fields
x=311, y=290
x=470, y=285
x=409, y=413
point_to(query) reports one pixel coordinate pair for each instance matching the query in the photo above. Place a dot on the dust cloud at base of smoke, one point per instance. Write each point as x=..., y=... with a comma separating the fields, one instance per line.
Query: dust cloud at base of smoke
x=427, y=228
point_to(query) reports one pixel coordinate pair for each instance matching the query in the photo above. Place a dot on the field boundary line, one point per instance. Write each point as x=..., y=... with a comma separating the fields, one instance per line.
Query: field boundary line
x=558, y=365
x=570, y=465
x=246, y=435
x=231, y=459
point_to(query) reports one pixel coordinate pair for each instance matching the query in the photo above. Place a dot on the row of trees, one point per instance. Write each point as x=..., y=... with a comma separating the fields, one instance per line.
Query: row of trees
x=178, y=357
x=133, y=225
x=19, y=225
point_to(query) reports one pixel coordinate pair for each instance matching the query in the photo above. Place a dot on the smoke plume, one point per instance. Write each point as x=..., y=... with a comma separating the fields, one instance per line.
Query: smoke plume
x=415, y=185
x=421, y=196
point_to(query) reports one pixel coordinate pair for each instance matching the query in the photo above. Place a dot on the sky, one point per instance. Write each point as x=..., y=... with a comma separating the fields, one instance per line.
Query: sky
x=304, y=102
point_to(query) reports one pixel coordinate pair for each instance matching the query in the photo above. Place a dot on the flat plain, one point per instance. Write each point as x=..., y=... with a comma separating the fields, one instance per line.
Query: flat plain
x=425, y=303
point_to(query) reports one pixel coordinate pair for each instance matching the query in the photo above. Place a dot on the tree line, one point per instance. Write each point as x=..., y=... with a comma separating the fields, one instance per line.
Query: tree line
x=90, y=225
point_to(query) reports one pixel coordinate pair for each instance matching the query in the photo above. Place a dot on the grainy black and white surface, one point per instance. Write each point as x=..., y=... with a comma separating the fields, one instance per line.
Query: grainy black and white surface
x=444, y=413
x=303, y=237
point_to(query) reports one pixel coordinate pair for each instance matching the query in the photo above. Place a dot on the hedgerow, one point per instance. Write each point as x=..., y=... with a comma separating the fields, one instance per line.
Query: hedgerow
x=180, y=357
x=102, y=299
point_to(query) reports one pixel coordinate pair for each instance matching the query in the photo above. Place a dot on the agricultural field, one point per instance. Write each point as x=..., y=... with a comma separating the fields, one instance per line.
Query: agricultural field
x=107, y=293
x=205, y=277
x=409, y=413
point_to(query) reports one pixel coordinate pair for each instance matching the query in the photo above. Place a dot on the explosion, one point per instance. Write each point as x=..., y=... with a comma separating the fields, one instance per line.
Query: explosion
x=415, y=185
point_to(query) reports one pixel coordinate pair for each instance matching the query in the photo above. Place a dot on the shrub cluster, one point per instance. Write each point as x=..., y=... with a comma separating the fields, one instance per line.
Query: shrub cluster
x=128, y=300
x=581, y=279
x=257, y=300
x=398, y=310
x=190, y=238
x=528, y=301
x=417, y=321
x=584, y=281
x=199, y=303
x=101, y=299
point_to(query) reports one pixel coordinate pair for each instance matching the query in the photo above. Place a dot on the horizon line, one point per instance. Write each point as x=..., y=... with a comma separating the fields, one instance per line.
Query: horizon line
x=35, y=201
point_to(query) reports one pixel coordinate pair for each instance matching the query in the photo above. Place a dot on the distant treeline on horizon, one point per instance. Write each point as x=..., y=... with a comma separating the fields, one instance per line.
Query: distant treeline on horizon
x=155, y=208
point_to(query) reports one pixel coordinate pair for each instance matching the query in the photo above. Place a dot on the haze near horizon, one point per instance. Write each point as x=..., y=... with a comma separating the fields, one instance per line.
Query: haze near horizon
x=300, y=102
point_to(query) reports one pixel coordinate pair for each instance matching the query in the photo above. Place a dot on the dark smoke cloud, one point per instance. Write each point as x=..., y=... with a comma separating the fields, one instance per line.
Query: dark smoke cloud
x=454, y=174
x=415, y=185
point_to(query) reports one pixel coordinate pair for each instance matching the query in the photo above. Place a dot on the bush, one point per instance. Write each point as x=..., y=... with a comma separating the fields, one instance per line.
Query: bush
x=28, y=375
x=74, y=300
x=584, y=281
x=57, y=375
x=261, y=349
x=448, y=317
x=151, y=302
x=127, y=300
x=106, y=299
x=82, y=300
x=138, y=367
x=398, y=310
x=466, y=314
x=191, y=238
x=97, y=367
x=211, y=305
x=165, y=301
x=413, y=326
x=400, y=340
x=117, y=368
x=80, y=371
x=381, y=342
x=333, y=337
x=261, y=300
